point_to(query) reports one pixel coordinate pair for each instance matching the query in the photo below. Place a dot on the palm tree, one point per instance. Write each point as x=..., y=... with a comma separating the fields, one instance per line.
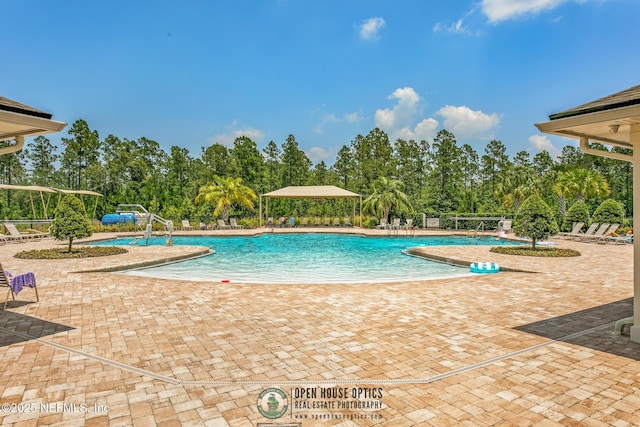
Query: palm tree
x=580, y=184
x=515, y=187
x=387, y=194
x=224, y=193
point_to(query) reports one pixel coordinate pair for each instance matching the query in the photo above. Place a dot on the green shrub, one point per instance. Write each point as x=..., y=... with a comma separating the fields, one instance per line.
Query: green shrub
x=535, y=220
x=610, y=211
x=249, y=222
x=578, y=212
x=70, y=221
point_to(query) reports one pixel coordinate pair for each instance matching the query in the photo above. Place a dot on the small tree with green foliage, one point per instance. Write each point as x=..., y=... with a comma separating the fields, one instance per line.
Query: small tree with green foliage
x=609, y=211
x=535, y=220
x=578, y=212
x=70, y=221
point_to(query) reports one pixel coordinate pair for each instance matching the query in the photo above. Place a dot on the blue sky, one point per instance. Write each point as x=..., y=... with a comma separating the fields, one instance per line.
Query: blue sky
x=192, y=73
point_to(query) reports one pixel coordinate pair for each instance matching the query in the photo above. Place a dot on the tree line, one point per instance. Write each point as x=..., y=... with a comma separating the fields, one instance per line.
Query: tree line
x=437, y=176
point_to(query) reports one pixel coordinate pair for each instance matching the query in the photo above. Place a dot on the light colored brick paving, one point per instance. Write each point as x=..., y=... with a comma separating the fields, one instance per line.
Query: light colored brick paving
x=267, y=335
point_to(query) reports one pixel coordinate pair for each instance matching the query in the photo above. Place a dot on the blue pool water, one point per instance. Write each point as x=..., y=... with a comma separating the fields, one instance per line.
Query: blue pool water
x=307, y=258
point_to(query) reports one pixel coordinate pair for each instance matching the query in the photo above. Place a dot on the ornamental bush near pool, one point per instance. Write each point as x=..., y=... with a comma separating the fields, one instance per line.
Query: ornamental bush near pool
x=578, y=212
x=535, y=220
x=610, y=212
x=70, y=220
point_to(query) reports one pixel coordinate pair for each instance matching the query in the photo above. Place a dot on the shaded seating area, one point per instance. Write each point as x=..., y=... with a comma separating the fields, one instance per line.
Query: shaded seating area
x=317, y=192
x=15, y=284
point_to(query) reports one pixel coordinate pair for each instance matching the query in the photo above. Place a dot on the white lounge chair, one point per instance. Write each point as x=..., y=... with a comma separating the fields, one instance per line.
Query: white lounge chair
x=222, y=225
x=598, y=233
x=605, y=235
x=574, y=231
x=17, y=236
x=347, y=222
x=234, y=224
x=383, y=223
x=592, y=228
x=186, y=226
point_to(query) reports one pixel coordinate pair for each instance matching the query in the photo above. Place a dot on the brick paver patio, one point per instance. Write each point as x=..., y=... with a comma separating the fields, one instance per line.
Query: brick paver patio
x=102, y=348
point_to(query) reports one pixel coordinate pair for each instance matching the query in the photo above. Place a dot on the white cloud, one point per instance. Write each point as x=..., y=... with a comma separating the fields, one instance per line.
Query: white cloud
x=425, y=130
x=227, y=138
x=501, y=10
x=327, y=118
x=541, y=142
x=369, y=28
x=317, y=154
x=402, y=113
x=457, y=27
x=467, y=123
x=399, y=121
x=354, y=117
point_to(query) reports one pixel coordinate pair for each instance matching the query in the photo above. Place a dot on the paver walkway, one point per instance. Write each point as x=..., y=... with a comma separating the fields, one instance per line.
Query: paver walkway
x=102, y=348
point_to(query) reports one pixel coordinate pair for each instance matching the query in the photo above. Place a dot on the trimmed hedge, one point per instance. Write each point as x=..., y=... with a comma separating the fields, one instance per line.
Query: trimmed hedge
x=609, y=211
x=578, y=212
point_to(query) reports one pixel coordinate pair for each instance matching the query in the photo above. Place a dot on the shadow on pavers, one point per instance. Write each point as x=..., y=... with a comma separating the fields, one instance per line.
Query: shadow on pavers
x=26, y=325
x=600, y=339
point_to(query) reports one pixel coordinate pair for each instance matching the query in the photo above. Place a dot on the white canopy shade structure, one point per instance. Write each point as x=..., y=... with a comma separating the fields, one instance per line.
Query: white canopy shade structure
x=614, y=121
x=18, y=121
x=310, y=192
x=49, y=191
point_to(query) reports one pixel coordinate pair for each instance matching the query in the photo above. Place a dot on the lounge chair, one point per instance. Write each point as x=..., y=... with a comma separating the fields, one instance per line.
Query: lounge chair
x=347, y=222
x=317, y=222
x=186, y=226
x=383, y=223
x=234, y=224
x=327, y=222
x=604, y=236
x=592, y=228
x=336, y=222
x=574, y=231
x=15, y=284
x=15, y=235
x=597, y=234
x=396, y=224
x=269, y=222
x=628, y=238
x=222, y=225
x=292, y=221
x=305, y=221
x=506, y=225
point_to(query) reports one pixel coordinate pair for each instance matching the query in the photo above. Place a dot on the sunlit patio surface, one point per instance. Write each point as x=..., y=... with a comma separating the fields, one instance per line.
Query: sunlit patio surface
x=514, y=348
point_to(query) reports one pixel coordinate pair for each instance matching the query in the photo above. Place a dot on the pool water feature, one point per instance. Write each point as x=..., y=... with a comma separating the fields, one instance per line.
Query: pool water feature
x=307, y=258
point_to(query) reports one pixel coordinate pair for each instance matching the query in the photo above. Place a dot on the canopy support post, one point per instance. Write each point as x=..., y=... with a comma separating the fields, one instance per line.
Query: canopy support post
x=634, y=138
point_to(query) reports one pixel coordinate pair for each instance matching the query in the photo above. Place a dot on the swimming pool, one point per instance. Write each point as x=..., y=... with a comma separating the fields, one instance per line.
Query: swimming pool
x=307, y=258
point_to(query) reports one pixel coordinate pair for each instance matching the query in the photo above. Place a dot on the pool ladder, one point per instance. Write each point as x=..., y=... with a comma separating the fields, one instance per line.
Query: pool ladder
x=476, y=232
